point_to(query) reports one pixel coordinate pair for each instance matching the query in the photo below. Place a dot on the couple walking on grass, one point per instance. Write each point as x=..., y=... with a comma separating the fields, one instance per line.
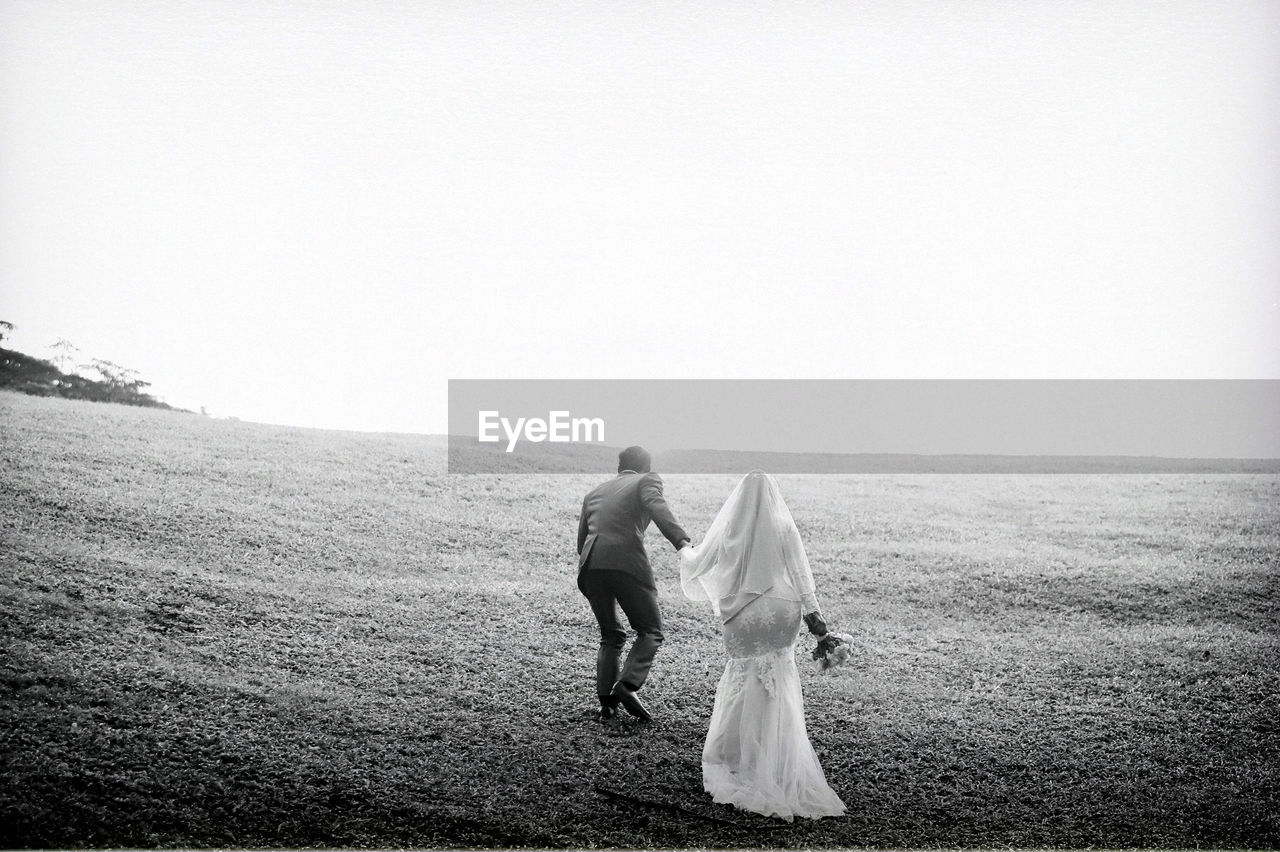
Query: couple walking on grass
x=751, y=567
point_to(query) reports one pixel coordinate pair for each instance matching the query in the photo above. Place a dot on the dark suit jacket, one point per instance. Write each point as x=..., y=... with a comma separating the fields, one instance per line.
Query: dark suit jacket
x=614, y=518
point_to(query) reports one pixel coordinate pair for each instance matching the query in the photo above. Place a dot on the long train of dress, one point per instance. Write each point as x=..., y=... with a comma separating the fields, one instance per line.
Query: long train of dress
x=758, y=756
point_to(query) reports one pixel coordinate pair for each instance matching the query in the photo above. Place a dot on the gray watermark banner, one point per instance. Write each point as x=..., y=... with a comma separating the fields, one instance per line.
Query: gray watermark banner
x=866, y=426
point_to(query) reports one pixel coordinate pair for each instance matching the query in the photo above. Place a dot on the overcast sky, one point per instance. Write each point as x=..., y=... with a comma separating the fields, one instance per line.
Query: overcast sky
x=318, y=213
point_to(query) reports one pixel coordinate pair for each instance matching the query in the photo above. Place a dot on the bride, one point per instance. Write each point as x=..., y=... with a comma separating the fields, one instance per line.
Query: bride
x=752, y=568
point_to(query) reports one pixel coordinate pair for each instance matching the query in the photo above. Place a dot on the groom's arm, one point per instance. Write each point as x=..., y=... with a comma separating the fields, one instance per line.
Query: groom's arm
x=651, y=497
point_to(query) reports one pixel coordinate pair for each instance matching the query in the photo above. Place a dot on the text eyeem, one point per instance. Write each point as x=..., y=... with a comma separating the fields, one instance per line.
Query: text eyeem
x=558, y=428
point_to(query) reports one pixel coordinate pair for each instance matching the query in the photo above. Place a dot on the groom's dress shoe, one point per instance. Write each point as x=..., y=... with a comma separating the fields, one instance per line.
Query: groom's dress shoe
x=627, y=697
x=606, y=713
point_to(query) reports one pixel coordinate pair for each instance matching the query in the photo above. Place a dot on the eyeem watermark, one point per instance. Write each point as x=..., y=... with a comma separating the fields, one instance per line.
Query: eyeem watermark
x=867, y=426
x=559, y=428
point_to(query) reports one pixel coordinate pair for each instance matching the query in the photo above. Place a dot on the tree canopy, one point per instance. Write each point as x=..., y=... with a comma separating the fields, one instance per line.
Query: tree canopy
x=37, y=376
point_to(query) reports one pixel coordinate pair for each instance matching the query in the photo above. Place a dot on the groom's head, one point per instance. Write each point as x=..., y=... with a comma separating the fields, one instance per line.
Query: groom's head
x=634, y=458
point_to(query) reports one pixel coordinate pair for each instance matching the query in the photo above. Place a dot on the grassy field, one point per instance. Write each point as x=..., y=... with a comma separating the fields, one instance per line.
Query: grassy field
x=226, y=634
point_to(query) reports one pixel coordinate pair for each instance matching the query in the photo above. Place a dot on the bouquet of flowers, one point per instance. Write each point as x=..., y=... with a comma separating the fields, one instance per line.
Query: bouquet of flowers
x=833, y=649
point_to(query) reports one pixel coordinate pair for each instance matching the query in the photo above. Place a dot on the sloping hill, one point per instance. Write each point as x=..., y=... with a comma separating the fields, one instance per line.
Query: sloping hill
x=227, y=634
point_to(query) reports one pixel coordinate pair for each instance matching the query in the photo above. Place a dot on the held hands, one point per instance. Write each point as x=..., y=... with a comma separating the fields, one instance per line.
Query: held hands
x=688, y=553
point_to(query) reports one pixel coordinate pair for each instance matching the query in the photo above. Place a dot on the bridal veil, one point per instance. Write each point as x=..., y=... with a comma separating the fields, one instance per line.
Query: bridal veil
x=752, y=548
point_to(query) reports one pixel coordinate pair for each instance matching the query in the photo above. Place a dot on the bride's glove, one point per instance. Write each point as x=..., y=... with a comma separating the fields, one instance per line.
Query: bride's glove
x=816, y=625
x=827, y=644
x=688, y=554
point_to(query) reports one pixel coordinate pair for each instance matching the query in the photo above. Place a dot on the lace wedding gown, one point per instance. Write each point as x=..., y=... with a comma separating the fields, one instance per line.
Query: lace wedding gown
x=757, y=755
x=753, y=570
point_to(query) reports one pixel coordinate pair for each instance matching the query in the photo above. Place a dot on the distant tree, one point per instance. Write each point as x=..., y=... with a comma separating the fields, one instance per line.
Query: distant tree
x=5, y=329
x=39, y=377
x=122, y=384
x=65, y=353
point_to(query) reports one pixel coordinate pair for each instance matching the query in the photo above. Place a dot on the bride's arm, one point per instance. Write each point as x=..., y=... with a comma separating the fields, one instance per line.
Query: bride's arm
x=802, y=580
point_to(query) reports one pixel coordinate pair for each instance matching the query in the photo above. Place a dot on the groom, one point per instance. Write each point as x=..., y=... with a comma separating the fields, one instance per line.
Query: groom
x=613, y=571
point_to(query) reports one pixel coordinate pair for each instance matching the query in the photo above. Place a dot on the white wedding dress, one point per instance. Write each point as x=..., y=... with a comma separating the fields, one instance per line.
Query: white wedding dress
x=757, y=754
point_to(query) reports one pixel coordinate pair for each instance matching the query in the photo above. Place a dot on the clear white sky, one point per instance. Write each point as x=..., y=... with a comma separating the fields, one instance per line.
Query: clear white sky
x=317, y=213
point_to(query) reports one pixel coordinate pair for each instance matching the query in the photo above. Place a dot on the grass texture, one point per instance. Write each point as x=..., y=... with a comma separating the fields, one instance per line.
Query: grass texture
x=227, y=634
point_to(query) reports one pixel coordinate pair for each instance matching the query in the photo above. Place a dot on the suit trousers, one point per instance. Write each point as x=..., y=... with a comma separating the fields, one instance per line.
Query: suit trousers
x=606, y=591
